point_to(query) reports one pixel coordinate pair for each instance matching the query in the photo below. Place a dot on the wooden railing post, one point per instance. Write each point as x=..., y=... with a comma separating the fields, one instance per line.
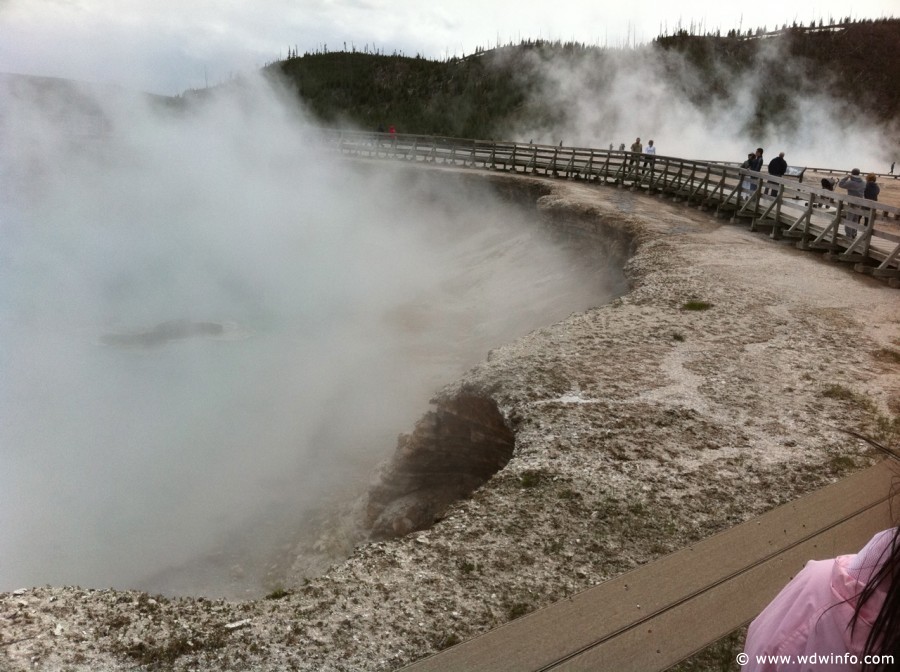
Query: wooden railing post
x=570, y=167
x=776, y=226
x=867, y=232
x=810, y=208
x=838, y=218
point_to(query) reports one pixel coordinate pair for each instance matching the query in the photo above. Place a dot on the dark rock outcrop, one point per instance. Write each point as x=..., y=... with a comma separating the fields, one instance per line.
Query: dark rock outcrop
x=163, y=333
x=452, y=451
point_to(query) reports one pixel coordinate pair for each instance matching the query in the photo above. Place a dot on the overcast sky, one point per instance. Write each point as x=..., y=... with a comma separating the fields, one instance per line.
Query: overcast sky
x=167, y=46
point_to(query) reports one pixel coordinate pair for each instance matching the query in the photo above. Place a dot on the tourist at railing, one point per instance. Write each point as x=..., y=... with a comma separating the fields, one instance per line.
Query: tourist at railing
x=871, y=191
x=855, y=186
x=777, y=167
x=636, y=148
x=650, y=151
x=836, y=611
x=756, y=163
x=747, y=183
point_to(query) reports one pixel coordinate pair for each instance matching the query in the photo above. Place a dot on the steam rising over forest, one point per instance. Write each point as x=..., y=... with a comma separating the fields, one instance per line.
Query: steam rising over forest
x=825, y=94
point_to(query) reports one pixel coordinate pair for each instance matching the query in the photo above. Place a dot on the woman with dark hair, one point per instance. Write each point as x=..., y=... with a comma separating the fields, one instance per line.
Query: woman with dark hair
x=883, y=587
x=871, y=192
x=840, y=614
x=872, y=189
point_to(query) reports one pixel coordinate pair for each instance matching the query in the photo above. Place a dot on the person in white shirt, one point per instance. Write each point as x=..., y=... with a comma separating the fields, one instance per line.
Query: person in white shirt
x=651, y=150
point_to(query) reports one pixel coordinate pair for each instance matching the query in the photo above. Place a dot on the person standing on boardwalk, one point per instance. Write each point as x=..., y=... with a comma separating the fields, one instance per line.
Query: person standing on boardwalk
x=650, y=151
x=855, y=187
x=746, y=183
x=892, y=167
x=756, y=163
x=636, y=148
x=777, y=167
x=871, y=191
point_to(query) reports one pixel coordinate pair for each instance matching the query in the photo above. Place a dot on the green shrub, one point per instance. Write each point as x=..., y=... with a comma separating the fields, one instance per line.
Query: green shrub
x=693, y=304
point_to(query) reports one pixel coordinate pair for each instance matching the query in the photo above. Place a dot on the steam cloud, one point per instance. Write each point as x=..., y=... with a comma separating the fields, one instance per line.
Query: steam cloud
x=598, y=98
x=348, y=294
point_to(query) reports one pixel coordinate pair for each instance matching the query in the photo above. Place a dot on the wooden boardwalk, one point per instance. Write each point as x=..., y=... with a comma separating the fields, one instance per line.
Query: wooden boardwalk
x=655, y=616
x=815, y=218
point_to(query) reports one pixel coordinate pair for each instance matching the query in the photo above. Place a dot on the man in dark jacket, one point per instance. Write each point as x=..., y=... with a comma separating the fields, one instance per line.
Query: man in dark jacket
x=777, y=167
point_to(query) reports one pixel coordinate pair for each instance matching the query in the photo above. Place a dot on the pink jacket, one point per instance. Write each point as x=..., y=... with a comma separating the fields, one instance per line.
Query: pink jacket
x=810, y=614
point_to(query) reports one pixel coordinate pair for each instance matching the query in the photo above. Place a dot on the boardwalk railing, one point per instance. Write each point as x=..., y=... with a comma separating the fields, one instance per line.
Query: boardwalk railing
x=848, y=229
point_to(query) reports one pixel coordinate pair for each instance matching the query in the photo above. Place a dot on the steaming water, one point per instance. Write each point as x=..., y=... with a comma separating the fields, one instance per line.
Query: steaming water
x=349, y=296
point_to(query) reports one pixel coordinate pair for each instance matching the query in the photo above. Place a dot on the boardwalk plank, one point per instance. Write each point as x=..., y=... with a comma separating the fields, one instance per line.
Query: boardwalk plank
x=653, y=614
x=683, y=629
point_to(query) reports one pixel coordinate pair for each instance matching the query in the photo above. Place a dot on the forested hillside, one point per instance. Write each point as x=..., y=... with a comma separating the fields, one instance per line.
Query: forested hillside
x=535, y=84
x=460, y=97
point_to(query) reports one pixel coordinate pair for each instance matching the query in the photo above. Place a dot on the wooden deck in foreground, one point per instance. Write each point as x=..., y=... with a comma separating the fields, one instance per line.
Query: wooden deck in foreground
x=815, y=218
x=657, y=615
